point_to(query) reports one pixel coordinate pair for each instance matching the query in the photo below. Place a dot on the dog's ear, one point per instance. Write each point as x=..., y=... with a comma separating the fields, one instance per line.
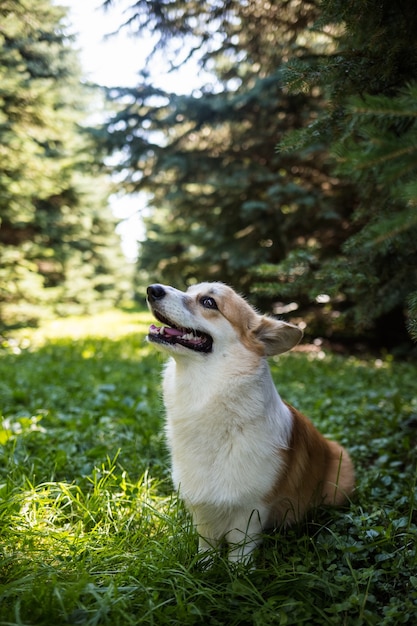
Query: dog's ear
x=277, y=336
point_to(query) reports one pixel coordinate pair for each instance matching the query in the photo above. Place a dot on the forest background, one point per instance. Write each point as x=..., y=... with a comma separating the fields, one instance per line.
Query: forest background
x=290, y=175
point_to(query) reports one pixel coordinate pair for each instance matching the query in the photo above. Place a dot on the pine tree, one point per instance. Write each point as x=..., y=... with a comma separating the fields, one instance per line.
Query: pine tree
x=327, y=220
x=369, y=129
x=53, y=229
x=223, y=201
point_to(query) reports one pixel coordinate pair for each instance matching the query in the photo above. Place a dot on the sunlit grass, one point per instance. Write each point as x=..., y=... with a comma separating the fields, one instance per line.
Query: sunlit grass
x=91, y=533
x=111, y=324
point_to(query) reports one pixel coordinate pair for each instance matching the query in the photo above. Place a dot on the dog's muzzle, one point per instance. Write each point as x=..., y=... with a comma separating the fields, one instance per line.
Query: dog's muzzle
x=172, y=334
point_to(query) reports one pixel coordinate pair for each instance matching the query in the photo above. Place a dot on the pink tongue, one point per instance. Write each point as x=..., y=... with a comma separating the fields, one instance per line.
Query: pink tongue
x=173, y=332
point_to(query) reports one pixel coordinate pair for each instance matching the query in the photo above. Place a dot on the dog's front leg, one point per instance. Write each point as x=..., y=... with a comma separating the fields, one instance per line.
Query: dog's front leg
x=210, y=538
x=244, y=537
x=205, y=544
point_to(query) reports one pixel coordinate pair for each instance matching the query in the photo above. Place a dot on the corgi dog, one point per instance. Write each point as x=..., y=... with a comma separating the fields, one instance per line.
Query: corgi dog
x=243, y=460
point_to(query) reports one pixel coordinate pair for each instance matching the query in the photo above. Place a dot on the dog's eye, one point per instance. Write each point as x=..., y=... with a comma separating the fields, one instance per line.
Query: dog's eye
x=208, y=303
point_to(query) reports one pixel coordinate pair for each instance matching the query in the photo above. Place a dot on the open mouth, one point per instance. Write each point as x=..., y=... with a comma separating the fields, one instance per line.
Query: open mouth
x=172, y=335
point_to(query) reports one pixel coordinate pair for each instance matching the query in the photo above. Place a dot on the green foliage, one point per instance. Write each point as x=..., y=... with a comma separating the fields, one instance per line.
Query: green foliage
x=369, y=128
x=332, y=83
x=57, y=232
x=412, y=324
x=222, y=200
x=380, y=142
x=91, y=533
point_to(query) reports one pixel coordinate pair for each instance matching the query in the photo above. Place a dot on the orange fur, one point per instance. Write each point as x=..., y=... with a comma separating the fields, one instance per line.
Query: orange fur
x=317, y=471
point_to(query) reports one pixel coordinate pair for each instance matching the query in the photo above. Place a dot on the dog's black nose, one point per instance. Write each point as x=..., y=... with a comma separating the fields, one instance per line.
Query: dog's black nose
x=155, y=292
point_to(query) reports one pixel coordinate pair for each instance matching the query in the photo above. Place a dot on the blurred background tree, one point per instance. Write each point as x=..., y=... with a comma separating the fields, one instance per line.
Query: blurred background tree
x=224, y=201
x=369, y=130
x=328, y=220
x=290, y=172
x=58, y=249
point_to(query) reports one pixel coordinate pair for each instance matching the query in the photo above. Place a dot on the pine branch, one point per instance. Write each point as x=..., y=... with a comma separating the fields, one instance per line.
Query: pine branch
x=412, y=309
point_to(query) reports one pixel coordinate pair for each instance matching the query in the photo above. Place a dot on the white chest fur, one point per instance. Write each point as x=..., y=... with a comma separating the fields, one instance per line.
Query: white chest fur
x=225, y=430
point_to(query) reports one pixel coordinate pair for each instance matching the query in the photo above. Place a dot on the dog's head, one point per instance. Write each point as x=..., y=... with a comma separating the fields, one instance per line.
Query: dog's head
x=211, y=316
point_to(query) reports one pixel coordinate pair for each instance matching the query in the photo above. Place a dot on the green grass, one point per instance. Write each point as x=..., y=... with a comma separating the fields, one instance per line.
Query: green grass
x=91, y=533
